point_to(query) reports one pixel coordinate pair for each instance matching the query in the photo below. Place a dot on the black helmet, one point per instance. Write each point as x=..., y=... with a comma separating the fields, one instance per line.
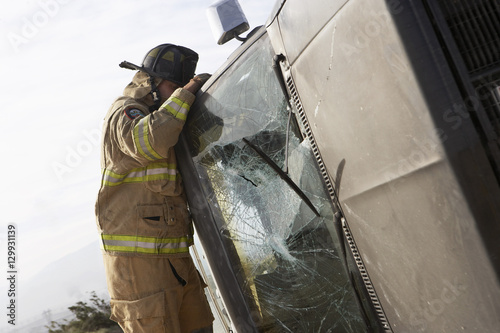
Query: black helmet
x=169, y=62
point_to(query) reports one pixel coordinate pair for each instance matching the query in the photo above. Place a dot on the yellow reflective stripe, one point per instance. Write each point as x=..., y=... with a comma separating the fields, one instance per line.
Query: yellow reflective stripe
x=177, y=108
x=155, y=171
x=160, y=171
x=146, y=245
x=141, y=140
x=112, y=179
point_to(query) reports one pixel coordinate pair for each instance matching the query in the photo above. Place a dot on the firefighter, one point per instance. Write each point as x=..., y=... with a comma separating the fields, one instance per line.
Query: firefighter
x=141, y=209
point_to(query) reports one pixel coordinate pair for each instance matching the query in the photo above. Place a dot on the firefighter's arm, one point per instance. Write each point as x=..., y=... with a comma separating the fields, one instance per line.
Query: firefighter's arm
x=147, y=138
x=165, y=125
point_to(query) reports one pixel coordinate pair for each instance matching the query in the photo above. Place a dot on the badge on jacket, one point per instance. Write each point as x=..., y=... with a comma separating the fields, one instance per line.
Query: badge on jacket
x=133, y=113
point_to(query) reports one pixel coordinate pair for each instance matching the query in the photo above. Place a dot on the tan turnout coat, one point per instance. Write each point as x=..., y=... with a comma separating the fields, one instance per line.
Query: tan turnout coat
x=141, y=209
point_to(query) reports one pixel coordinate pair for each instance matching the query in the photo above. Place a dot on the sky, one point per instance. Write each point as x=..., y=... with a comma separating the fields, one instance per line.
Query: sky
x=59, y=74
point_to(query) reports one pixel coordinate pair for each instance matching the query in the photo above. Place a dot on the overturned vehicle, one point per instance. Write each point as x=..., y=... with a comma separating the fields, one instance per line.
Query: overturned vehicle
x=343, y=168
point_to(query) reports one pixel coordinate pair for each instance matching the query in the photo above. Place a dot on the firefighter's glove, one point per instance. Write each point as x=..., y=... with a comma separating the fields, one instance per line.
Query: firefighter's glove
x=202, y=78
x=197, y=82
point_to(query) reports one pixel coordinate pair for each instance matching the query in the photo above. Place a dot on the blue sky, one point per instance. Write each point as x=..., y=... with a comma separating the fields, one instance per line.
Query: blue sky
x=59, y=74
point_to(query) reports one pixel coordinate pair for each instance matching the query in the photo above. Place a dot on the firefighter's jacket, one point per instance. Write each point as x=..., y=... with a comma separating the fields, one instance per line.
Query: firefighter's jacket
x=141, y=208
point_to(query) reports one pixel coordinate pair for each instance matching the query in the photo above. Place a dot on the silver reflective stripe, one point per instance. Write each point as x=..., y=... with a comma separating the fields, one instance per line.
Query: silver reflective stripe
x=172, y=172
x=155, y=171
x=177, y=107
x=146, y=245
x=141, y=139
x=111, y=178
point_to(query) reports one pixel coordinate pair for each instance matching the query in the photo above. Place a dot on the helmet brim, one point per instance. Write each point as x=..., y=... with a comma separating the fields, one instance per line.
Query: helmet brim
x=134, y=67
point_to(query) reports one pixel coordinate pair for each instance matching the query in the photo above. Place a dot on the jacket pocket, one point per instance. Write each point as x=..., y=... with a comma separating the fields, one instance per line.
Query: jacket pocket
x=151, y=217
x=148, y=307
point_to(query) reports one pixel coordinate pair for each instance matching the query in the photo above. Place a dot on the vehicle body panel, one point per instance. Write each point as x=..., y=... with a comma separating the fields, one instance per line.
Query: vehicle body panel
x=380, y=96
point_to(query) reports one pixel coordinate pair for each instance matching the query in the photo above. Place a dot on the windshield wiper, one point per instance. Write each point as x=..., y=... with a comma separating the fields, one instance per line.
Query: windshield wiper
x=283, y=175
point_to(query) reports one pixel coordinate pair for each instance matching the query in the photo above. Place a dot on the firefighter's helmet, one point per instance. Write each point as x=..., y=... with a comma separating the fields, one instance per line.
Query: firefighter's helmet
x=169, y=62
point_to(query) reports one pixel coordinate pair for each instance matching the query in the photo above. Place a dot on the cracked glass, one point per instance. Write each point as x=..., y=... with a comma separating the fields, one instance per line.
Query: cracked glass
x=287, y=259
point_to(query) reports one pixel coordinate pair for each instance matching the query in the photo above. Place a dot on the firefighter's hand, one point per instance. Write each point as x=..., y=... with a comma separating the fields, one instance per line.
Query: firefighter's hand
x=202, y=78
x=197, y=82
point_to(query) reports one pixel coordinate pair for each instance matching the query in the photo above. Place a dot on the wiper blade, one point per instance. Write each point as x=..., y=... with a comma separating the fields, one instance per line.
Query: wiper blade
x=283, y=175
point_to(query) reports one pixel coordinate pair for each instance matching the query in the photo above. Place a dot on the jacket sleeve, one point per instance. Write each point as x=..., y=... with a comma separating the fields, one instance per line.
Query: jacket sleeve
x=149, y=138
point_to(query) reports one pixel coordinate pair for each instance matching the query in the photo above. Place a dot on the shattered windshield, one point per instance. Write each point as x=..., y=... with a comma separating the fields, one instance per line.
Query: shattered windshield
x=287, y=259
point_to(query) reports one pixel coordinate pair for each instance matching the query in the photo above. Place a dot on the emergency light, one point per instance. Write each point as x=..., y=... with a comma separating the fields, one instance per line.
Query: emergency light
x=227, y=20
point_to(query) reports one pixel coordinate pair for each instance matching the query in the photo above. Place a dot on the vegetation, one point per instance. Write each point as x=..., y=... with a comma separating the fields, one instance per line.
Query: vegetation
x=92, y=318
